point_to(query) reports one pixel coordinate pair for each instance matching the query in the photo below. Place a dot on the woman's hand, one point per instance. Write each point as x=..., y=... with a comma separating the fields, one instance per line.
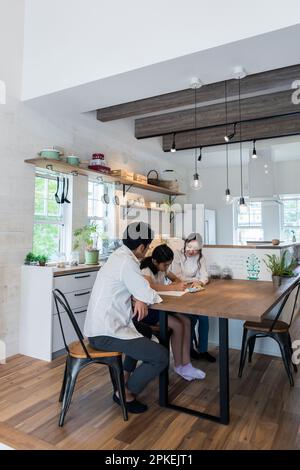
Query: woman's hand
x=197, y=284
x=140, y=310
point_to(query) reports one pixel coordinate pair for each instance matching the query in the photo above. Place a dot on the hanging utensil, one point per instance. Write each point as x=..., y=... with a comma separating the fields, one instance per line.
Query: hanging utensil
x=63, y=191
x=67, y=192
x=57, y=191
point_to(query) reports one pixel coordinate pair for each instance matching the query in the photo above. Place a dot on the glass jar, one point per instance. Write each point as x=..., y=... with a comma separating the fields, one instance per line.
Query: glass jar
x=227, y=273
x=61, y=260
x=74, y=258
x=214, y=271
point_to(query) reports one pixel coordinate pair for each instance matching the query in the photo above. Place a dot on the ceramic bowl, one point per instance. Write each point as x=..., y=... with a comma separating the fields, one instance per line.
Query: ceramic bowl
x=51, y=154
x=73, y=160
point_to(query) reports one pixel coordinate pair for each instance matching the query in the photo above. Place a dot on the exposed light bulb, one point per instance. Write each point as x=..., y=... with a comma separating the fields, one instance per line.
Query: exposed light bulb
x=243, y=208
x=196, y=183
x=228, y=198
x=254, y=153
x=173, y=148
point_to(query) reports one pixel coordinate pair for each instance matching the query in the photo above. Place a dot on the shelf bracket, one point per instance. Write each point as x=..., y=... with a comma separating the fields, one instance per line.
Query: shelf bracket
x=125, y=190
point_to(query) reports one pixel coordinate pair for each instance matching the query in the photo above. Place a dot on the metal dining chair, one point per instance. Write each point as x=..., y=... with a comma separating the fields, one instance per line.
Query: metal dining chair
x=79, y=355
x=275, y=329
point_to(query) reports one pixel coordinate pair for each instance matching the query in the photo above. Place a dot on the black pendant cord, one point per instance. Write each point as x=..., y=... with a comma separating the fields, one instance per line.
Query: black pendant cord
x=241, y=144
x=226, y=118
x=195, y=125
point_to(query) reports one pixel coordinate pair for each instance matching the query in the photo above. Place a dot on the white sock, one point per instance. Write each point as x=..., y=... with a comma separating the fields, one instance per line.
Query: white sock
x=180, y=372
x=191, y=371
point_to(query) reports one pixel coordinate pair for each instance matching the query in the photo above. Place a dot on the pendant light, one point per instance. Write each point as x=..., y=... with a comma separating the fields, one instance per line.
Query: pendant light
x=254, y=154
x=242, y=204
x=200, y=155
x=229, y=137
x=173, y=148
x=228, y=198
x=196, y=183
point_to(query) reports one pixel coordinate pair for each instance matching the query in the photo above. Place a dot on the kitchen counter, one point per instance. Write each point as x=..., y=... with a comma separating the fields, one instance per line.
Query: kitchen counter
x=257, y=246
x=81, y=268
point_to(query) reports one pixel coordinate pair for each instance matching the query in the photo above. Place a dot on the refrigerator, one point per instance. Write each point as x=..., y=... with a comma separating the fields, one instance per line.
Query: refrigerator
x=196, y=219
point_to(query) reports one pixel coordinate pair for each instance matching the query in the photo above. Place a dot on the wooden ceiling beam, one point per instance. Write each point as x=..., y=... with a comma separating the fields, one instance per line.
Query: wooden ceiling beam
x=256, y=130
x=260, y=83
x=274, y=104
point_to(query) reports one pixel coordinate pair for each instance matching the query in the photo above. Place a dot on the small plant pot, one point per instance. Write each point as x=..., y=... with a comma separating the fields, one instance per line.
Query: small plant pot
x=276, y=281
x=42, y=263
x=91, y=256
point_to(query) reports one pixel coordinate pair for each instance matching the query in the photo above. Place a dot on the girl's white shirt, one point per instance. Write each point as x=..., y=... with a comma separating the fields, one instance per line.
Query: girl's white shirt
x=188, y=269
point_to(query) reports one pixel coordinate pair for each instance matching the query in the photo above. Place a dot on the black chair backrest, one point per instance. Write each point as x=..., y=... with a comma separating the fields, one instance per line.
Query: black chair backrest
x=60, y=299
x=283, y=303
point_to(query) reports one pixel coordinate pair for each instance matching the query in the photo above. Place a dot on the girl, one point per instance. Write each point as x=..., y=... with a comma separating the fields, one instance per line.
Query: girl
x=155, y=271
x=190, y=266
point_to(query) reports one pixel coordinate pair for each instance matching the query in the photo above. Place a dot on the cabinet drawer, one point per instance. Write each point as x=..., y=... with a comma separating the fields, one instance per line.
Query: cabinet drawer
x=74, y=282
x=70, y=335
x=76, y=300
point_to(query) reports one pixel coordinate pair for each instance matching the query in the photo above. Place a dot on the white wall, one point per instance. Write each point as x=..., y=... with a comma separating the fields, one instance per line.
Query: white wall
x=71, y=42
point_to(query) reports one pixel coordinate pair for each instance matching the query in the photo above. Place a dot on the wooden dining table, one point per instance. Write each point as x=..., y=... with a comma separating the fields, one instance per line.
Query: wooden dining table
x=223, y=299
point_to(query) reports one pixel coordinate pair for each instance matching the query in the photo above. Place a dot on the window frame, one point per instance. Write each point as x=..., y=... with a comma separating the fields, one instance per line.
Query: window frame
x=59, y=221
x=239, y=227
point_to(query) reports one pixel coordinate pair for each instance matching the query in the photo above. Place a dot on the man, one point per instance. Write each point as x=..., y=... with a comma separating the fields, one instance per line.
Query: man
x=109, y=325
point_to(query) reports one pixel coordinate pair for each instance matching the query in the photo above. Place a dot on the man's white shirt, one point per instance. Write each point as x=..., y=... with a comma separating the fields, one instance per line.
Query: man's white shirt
x=110, y=311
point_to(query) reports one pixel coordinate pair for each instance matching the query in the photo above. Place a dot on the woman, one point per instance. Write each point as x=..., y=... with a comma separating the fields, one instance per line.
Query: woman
x=189, y=265
x=155, y=271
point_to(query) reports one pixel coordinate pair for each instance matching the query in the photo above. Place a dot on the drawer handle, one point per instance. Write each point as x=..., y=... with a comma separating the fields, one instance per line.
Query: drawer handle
x=82, y=293
x=81, y=277
x=80, y=311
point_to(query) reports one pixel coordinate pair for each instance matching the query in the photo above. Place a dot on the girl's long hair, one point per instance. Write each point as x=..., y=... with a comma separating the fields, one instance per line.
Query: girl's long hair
x=161, y=254
x=193, y=237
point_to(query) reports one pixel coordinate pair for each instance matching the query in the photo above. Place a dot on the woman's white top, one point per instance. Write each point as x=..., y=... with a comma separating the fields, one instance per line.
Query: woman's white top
x=110, y=311
x=159, y=278
x=187, y=268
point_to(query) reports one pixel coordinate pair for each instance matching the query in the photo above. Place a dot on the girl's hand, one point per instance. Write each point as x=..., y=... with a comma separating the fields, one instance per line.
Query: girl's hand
x=179, y=286
x=140, y=310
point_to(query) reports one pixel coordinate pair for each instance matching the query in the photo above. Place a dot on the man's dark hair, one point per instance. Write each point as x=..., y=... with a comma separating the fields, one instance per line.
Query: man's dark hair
x=136, y=234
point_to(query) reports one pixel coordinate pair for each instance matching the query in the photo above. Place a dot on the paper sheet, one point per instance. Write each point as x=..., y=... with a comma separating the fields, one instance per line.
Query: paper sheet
x=174, y=293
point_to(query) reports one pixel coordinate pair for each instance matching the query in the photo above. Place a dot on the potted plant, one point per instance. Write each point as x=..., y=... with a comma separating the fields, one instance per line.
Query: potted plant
x=42, y=260
x=280, y=268
x=31, y=258
x=86, y=237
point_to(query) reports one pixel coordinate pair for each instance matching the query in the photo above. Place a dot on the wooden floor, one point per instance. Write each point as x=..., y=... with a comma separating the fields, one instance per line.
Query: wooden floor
x=265, y=411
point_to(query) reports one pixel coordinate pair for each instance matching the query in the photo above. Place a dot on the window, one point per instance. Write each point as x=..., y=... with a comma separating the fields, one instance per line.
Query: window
x=249, y=223
x=48, y=234
x=99, y=212
x=290, y=217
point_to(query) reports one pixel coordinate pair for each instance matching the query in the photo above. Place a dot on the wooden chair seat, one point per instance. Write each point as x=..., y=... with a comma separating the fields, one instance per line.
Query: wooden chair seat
x=78, y=352
x=265, y=325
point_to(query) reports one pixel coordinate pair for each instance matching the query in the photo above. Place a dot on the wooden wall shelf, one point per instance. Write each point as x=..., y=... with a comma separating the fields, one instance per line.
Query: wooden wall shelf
x=63, y=167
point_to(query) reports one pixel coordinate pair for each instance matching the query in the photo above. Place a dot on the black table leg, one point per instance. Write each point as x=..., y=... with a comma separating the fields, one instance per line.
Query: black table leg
x=224, y=416
x=164, y=376
x=224, y=370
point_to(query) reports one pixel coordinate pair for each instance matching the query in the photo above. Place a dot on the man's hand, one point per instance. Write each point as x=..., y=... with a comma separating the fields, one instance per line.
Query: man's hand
x=140, y=310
